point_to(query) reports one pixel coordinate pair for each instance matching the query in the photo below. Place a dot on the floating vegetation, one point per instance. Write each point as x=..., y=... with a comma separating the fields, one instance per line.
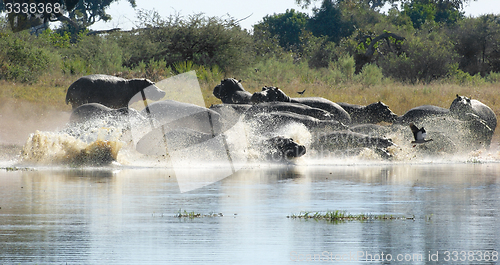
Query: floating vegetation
x=343, y=216
x=17, y=168
x=192, y=215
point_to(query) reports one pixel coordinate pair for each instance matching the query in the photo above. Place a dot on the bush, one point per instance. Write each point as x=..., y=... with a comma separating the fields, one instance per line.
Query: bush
x=321, y=53
x=493, y=77
x=371, y=75
x=21, y=60
x=92, y=54
x=423, y=59
x=457, y=76
x=346, y=65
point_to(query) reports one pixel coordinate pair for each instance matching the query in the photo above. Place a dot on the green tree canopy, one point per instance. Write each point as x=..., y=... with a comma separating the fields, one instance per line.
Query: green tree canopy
x=286, y=27
x=327, y=21
x=75, y=14
x=421, y=11
x=374, y=4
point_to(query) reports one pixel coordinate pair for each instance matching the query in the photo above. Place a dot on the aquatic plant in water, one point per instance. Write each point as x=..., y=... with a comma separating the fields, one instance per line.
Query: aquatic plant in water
x=192, y=215
x=343, y=216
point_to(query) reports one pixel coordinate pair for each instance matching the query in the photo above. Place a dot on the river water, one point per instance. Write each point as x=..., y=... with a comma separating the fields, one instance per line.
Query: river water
x=446, y=213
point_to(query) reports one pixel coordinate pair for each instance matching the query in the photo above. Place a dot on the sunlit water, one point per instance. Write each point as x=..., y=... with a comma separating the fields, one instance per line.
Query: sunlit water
x=126, y=215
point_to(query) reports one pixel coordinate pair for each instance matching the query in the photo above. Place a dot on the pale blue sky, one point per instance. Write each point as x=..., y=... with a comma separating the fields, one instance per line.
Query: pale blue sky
x=124, y=16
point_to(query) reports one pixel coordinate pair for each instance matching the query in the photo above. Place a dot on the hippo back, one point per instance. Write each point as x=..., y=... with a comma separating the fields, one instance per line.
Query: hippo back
x=290, y=107
x=373, y=113
x=335, y=109
x=174, y=114
x=110, y=91
x=230, y=113
x=275, y=121
x=90, y=111
x=269, y=94
x=422, y=112
x=485, y=113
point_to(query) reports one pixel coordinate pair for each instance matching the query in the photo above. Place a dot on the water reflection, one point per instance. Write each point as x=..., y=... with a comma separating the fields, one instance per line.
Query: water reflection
x=126, y=216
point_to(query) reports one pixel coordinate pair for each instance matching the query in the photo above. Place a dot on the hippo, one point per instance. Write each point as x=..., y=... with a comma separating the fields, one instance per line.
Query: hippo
x=274, y=121
x=230, y=109
x=467, y=133
x=110, y=91
x=275, y=149
x=420, y=113
x=371, y=129
x=90, y=111
x=462, y=105
x=230, y=113
x=173, y=114
x=372, y=113
x=280, y=148
x=270, y=94
x=231, y=91
x=347, y=140
x=289, y=107
x=88, y=119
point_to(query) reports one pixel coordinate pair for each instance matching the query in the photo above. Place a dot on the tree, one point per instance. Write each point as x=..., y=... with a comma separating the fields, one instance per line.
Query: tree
x=421, y=11
x=207, y=41
x=478, y=44
x=374, y=4
x=286, y=27
x=370, y=45
x=327, y=21
x=76, y=14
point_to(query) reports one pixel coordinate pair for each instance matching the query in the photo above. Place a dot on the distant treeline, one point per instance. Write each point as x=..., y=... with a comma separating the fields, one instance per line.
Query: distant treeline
x=404, y=45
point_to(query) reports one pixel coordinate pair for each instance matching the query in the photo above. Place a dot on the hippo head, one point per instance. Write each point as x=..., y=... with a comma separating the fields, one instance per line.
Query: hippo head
x=151, y=91
x=380, y=112
x=461, y=106
x=282, y=148
x=226, y=88
x=269, y=94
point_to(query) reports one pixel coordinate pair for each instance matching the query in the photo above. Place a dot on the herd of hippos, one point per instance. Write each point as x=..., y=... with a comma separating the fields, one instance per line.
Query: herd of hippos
x=336, y=128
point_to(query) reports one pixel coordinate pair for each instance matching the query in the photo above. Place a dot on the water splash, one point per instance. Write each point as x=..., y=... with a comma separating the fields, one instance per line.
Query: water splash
x=48, y=148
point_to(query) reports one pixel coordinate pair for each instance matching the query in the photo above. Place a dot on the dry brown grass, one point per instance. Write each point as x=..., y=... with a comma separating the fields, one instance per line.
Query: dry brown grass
x=49, y=92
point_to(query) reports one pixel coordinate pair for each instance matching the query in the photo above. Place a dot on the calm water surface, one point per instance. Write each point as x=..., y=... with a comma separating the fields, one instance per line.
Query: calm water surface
x=127, y=216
